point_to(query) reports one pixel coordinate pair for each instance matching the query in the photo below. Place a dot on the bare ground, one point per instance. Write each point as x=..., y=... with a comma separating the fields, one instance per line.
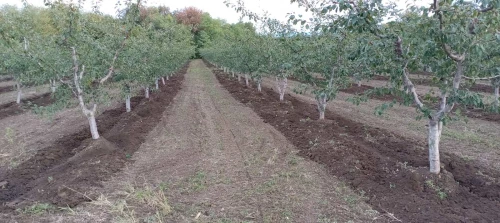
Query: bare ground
x=471, y=139
x=212, y=159
x=27, y=92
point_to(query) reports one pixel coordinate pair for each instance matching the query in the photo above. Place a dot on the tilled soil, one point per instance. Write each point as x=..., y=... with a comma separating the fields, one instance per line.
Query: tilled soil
x=470, y=112
x=359, y=90
x=219, y=162
x=6, y=89
x=4, y=79
x=66, y=173
x=390, y=169
x=483, y=88
x=12, y=108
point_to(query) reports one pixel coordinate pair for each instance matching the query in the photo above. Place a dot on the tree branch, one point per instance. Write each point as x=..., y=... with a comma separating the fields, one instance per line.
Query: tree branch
x=446, y=47
x=409, y=85
x=112, y=68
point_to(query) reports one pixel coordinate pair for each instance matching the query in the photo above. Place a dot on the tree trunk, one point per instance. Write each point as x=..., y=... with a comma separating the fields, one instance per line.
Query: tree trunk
x=19, y=93
x=232, y=73
x=127, y=103
x=168, y=77
x=246, y=80
x=359, y=83
x=282, y=87
x=497, y=96
x=146, y=92
x=156, y=84
x=259, y=87
x=435, y=130
x=53, y=86
x=93, y=125
x=239, y=78
x=90, y=114
x=163, y=80
x=321, y=100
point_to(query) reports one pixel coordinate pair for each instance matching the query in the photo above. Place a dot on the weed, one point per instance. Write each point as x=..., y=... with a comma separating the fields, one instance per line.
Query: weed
x=440, y=193
x=324, y=219
x=314, y=143
x=10, y=135
x=197, y=182
x=37, y=209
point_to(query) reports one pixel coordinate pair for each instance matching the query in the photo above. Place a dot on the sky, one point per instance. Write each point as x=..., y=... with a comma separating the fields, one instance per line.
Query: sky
x=277, y=8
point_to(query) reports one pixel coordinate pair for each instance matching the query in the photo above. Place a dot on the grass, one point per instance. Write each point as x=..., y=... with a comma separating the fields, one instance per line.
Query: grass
x=14, y=150
x=140, y=204
x=197, y=182
x=440, y=193
x=37, y=209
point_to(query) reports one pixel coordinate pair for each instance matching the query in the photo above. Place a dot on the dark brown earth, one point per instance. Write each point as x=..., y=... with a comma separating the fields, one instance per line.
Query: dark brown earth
x=12, y=108
x=359, y=90
x=380, y=78
x=389, y=169
x=6, y=89
x=483, y=88
x=469, y=112
x=66, y=173
x=3, y=79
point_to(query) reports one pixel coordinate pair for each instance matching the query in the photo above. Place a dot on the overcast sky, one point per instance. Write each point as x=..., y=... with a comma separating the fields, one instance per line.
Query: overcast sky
x=277, y=8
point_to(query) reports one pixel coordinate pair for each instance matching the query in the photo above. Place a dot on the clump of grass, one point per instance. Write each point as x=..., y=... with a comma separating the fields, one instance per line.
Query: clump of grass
x=197, y=182
x=153, y=198
x=440, y=193
x=131, y=208
x=37, y=209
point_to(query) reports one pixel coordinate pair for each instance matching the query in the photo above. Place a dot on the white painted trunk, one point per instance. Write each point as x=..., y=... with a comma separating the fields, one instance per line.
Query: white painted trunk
x=93, y=125
x=168, y=76
x=163, y=80
x=127, y=103
x=53, y=86
x=246, y=80
x=282, y=83
x=321, y=100
x=359, y=83
x=156, y=84
x=259, y=87
x=232, y=73
x=435, y=129
x=146, y=92
x=239, y=78
x=497, y=97
x=19, y=94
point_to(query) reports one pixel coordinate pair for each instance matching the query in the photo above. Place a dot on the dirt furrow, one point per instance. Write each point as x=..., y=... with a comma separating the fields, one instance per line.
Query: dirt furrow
x=67, y=172
x=389, y=168
x=219, y=162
